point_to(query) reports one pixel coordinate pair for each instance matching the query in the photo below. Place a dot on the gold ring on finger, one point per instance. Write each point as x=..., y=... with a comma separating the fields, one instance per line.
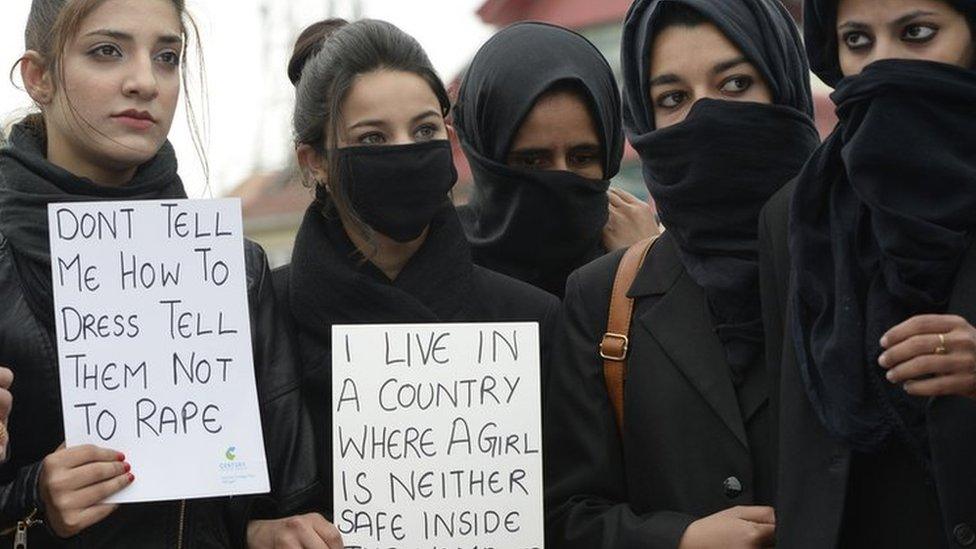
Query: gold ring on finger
x=941, y=348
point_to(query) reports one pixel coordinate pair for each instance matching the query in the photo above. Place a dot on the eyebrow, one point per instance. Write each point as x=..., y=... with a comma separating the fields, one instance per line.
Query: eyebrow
x=124, y=36
x=904, y=19
x=908, y=17
x=661, y=80
x=539, y=151
x=671, y=78
x=726, y=65
x=381, y=123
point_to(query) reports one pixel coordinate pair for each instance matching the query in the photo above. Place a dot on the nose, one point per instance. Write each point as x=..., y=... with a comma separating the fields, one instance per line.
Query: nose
x=559, y=162
x=140, y=81
x=883, y=49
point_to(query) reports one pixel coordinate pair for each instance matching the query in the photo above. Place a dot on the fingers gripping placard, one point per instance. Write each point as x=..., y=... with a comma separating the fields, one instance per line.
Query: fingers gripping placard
x=154, y=343
x=437, y=436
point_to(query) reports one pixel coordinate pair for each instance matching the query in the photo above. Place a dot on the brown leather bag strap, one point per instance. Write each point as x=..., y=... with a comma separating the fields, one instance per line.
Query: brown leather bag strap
x=616, y=341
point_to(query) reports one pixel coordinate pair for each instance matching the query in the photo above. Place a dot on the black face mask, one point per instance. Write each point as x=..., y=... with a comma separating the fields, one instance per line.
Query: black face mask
x=556, y=218
x=398, y=189
x=710, y=176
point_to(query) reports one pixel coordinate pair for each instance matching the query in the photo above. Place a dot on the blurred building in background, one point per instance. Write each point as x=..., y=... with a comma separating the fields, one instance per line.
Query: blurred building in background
x=273, y=203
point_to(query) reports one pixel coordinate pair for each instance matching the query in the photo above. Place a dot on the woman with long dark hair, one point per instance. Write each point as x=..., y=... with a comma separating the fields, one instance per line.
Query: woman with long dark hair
x=381, y=243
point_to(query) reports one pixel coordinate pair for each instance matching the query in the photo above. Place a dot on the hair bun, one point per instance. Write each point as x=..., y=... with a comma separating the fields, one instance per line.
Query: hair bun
x=309, y=43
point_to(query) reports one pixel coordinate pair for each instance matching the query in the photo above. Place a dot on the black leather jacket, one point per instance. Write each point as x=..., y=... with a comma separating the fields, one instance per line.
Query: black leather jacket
x=36, y=430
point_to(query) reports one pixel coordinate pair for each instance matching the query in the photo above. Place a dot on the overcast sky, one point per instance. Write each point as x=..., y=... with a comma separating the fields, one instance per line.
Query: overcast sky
x=247, y=49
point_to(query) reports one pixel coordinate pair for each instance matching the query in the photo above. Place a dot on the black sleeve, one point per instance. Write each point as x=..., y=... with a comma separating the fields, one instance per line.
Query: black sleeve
x=586, y=488
x=772, y=317
x=288, y=439
x=20, y=497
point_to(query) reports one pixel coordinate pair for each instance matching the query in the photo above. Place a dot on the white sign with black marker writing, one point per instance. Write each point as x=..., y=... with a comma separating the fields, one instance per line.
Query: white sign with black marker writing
x=437, y=439
x=154, y=343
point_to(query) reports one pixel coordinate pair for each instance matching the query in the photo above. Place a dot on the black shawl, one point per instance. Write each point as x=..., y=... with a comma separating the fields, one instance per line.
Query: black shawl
x=880, y=220
x=330, y=282
x=711, y=174
x=28, y=183
x=534, y=225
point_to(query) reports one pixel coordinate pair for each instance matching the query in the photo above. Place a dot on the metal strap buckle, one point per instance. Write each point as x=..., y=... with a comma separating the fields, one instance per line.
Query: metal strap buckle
x=611, y=340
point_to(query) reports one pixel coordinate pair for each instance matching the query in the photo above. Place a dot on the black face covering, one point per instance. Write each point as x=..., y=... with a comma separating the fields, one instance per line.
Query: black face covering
x=537, y=226
x=711, y=174
x=28, y=183
x=397, y=189
x=881, y=218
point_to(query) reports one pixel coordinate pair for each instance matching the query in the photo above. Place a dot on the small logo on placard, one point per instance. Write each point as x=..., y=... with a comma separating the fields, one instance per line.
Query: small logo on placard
x=229, y=454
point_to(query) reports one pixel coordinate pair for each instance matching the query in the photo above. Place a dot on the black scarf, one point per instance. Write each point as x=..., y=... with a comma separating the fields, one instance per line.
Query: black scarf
x=331, y=284
x=28, y=183
x=756, y=149
x=711, y=174
x=881, y=218
x=533, y=225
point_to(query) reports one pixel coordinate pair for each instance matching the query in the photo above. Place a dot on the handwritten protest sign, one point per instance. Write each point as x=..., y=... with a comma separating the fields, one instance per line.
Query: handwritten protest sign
x=437, y=436
x=154, y=343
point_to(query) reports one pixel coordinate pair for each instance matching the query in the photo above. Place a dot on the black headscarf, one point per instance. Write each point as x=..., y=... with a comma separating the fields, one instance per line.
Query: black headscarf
x=537, y=226
x=820, y=33
x=711, y=174
x=880, y=221
x=28, y=183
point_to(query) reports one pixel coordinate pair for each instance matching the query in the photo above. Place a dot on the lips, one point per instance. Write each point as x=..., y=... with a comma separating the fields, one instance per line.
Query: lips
x=139, y=120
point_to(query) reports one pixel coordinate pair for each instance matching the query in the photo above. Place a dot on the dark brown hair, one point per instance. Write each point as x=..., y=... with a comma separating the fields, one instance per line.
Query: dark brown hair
x=328, y=58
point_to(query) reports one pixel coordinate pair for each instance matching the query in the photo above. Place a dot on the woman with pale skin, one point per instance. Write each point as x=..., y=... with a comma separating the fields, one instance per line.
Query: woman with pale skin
x=869, y=273
x=106, y=78
x=381, y=243
x=542, y=134
x=718, y=105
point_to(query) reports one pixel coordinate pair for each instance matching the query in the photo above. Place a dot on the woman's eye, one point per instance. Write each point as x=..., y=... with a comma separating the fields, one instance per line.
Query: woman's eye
x=582, y=159
x=918, y=33
x=169, y=57
x=425, y=133
x=372, y=139
x=671, y=100
x=105, y=50
x=534, y=162
x=856, y=40
x=737, y=84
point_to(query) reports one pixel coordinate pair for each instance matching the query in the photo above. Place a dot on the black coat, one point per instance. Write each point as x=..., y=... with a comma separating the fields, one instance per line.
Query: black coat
x=36, y=430
x=493, y=298
x=693, y=445
x=815, y=485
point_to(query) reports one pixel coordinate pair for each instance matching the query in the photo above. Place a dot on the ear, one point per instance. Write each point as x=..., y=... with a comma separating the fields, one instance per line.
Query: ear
x=37, y=78
x=452, y=133
x=310, y=161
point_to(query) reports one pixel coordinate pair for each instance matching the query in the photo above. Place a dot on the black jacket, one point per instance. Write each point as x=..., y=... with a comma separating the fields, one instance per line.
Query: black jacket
x=494, y=298
x=815, y=480
x=693, y=445
x=36, y=430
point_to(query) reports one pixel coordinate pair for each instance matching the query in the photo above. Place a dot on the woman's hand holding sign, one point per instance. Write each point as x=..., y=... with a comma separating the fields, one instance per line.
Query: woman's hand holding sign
x=309, y=531
x=75, y=481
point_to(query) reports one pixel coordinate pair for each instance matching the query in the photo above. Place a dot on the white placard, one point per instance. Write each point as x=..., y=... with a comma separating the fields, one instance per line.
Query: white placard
x=437, y=436
x=154, y=343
